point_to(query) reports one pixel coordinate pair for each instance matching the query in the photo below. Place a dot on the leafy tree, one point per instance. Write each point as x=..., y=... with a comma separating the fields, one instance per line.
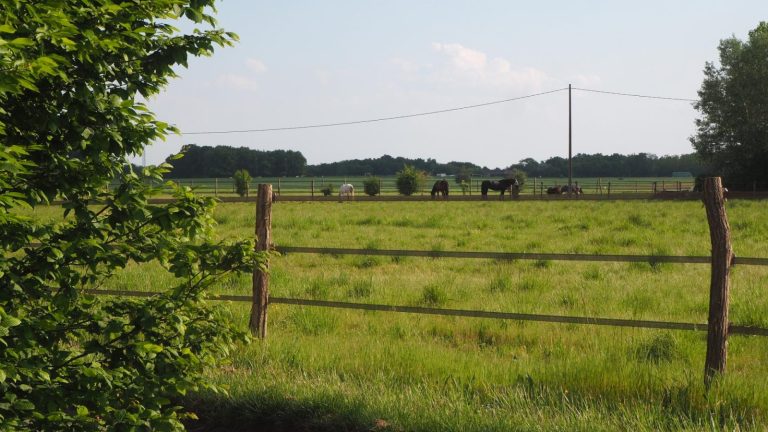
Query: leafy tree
x=372, y=186
x=518, y=174
x=72, y=74
x=242, y=182
x=463, y=176
x=732, y=132
x=410, y=180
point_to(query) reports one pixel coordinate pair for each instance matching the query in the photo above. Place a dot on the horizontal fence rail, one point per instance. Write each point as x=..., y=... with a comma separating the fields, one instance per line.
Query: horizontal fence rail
x=733, y=329
x=653, y=259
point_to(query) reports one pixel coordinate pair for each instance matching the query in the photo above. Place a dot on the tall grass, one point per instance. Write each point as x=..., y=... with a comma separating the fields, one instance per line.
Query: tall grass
x=325, y=369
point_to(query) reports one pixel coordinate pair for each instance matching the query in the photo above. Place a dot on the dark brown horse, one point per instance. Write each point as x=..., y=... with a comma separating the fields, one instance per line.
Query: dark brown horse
x=501, y=185
x=554, y=190
x=440, y=188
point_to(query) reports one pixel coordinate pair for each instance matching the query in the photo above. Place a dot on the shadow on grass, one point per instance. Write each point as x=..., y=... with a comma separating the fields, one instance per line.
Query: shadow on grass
x=272, y=412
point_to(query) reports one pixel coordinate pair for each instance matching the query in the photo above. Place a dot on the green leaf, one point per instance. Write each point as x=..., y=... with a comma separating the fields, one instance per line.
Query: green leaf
x=23, y=405
x=21, y=42
x=10, y=321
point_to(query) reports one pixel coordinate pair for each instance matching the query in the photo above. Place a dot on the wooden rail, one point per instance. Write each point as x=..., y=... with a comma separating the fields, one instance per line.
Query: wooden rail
x=614, y=322
x=652, y=259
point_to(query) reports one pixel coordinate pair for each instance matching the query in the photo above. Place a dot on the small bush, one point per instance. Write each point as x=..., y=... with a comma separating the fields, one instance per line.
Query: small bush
x=327, y=190
x=410, y=180
x=242, y=182
x=372, y=186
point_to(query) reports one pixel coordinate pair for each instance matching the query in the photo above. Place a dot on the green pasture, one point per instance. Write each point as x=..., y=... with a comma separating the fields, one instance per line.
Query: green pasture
x=327, y=369
x=306, y=185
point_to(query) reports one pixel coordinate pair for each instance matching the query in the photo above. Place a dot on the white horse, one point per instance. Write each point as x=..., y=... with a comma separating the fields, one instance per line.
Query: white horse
x=346, y=190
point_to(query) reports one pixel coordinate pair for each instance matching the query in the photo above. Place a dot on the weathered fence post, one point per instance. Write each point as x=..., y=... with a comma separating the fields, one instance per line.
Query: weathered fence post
x=312, y=188
x=609, y=188
x=279, y=191
x=722, y=258
x=258, y=323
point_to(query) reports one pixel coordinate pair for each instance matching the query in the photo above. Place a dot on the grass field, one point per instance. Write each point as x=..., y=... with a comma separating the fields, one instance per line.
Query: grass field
x=325, y=369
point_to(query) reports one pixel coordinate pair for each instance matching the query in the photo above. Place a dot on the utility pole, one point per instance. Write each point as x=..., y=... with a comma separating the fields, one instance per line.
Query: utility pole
x=570, y=144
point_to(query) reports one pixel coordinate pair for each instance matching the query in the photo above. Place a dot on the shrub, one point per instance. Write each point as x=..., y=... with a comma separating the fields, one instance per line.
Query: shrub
x=372, y=186
x=242, y=182
x=327, y=190
x=70, y=121
x=518, y=174
x=410, y=180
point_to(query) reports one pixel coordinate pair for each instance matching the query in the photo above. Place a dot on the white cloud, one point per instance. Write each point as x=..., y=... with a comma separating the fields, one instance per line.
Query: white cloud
x=472, y=67
x=255, y=65
x=237, y=82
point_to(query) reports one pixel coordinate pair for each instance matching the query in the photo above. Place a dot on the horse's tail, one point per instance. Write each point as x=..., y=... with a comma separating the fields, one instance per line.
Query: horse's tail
x=484, y=187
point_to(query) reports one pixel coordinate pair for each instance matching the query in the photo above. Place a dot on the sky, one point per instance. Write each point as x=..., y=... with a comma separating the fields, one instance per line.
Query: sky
x=301, y=63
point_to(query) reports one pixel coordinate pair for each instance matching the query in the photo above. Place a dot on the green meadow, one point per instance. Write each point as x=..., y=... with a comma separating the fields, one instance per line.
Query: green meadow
x=329, y=369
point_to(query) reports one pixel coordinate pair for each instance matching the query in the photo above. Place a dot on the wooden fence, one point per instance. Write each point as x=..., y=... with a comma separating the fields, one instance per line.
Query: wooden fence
x=721, y=260
x=718, y=327
x=315, y=186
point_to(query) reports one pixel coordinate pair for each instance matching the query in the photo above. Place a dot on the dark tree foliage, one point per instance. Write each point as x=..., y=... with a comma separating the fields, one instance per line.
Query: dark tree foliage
x=615, y=165
x=732, y=132
x=222, y=161
x=72, y=75
x=388, y=165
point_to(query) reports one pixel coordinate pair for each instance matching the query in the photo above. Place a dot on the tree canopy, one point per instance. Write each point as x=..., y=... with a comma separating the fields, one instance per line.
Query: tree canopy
x=72, y=74
x=732, y=132
x=222, y=161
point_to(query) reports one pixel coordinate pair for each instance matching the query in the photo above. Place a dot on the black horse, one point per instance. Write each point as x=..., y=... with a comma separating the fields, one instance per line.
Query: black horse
x=440, y=187
x=501, y=185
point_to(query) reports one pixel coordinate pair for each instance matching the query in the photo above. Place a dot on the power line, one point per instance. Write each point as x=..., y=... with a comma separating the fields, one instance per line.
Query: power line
x=636, y=95
x=322, y=125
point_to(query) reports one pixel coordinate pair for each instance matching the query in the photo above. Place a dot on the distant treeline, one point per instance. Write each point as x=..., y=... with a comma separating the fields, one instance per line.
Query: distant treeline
x=615, y=165
x=223, y=161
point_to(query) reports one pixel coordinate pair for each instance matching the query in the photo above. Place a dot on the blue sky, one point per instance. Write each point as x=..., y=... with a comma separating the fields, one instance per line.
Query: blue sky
x=310, y=62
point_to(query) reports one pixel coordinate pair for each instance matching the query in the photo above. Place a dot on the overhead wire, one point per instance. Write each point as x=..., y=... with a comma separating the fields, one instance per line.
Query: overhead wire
x=403, y=116
x=635, y=95
x=380, y=119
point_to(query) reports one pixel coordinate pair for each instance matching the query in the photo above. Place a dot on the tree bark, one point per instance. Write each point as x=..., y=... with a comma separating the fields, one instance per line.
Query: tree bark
x=258, y=322
x=722, y=258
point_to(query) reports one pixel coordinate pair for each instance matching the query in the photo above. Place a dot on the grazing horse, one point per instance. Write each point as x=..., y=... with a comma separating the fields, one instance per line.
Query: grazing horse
x=441, y=188
x=501, y=185
x=346, y=190
x=574, y=189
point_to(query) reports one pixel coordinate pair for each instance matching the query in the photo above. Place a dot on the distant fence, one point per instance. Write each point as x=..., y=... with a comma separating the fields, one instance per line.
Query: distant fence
x=315, y=186
x=311, y=189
